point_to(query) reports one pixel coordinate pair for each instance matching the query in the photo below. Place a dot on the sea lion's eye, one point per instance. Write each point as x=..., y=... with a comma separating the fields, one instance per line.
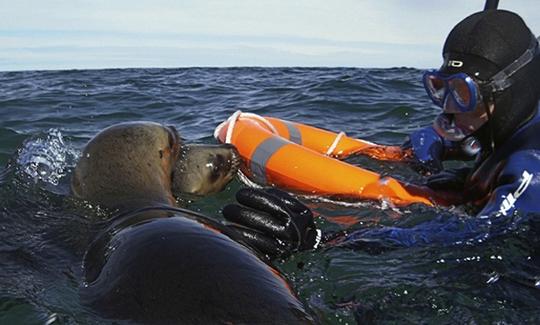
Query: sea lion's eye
x=214, y=174
x=219, y=161
x=160, y=154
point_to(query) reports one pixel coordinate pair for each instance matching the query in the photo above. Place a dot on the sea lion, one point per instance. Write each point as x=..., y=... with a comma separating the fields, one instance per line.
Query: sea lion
x=157, y=263
x=198, y=169
x=204, y=169
x=127, y=165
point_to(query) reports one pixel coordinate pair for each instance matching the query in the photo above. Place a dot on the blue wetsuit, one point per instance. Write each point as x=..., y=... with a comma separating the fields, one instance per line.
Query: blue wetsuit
x=505, y=186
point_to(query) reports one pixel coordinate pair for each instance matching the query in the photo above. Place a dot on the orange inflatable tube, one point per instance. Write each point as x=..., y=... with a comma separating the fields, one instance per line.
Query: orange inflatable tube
x=304, y=159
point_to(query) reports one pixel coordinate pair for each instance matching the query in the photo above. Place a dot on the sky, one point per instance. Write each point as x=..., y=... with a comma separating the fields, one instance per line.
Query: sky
x=91, y=34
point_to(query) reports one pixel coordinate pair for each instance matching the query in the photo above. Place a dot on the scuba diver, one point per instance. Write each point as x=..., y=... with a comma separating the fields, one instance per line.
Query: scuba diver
x=488, y=88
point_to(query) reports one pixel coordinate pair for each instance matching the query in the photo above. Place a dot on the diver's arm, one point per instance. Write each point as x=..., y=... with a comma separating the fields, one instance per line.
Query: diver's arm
x=516, y=193
x=278, y=229
x=444, y=230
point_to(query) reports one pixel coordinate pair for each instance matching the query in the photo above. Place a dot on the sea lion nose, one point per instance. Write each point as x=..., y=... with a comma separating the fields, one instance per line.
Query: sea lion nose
x=232, y=151
x=229, y=146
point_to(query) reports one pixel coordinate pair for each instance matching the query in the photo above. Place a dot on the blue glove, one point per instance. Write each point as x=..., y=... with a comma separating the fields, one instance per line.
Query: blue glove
x=428, y=149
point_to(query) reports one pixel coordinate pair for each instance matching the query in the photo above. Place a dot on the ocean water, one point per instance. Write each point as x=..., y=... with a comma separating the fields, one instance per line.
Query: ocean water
x=47, y=117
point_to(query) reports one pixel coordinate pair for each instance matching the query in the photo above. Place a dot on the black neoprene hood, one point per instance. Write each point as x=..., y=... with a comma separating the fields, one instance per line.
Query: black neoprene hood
x=483, y=44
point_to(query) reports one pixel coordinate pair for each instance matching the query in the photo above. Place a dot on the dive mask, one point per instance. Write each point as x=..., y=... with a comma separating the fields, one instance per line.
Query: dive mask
x=461, y=96
x=460, y=93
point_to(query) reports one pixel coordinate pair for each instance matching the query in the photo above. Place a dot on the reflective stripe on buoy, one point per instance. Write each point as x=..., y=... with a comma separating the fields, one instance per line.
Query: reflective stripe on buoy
x=294, y=133
x=262, y=155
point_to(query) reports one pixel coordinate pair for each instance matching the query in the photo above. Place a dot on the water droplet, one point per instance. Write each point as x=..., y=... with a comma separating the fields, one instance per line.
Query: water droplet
x=493, y=278
x=51, y=319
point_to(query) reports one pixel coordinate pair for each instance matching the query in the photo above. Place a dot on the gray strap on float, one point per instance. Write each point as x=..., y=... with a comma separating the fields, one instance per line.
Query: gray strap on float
x=294, y=134
x=262, y=155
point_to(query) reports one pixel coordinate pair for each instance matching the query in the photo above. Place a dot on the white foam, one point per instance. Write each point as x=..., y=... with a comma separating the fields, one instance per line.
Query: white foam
x=47, y=158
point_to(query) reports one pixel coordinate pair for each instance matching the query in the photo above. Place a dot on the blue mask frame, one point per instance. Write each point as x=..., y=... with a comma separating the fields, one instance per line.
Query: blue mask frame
x=499, y=82
x=459, y=102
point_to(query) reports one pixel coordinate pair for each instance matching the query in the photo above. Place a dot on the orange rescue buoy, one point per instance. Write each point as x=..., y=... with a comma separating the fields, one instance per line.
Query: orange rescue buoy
x=304, y=159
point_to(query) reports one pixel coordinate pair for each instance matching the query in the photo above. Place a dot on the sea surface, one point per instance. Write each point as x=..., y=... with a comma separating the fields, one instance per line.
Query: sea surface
x=48, y=116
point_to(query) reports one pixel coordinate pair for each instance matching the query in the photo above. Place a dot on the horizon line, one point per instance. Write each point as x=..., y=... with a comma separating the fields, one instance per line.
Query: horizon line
x=212, y=67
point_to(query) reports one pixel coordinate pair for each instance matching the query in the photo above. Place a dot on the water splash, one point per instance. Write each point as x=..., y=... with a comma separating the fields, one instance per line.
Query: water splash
x=46, y=159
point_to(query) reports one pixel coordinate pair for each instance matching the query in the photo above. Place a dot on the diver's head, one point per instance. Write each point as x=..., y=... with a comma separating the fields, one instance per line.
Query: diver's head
x=489, y=83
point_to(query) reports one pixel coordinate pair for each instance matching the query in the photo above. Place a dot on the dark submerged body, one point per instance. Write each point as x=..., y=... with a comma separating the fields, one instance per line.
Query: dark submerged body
x=183, y=269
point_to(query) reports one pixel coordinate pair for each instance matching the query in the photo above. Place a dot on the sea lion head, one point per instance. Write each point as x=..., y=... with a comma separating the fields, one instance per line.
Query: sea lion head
x=128, y=164
x=205, y=169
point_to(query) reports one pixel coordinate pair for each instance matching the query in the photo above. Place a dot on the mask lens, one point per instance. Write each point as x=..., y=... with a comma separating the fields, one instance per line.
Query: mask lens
x=436, y=87
x=461, y=93
x=451, y=105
